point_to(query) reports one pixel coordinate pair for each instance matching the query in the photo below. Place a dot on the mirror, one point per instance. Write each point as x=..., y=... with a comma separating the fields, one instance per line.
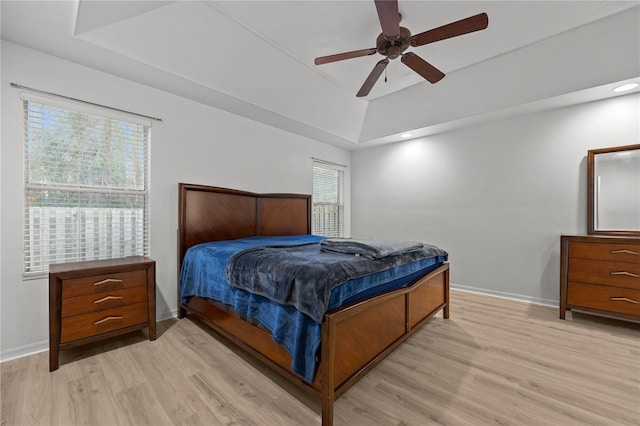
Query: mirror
x=614, y=191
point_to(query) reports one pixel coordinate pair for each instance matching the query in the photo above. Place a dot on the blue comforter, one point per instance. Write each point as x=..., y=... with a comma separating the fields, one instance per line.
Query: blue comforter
x=203, y=274
x=204, y=267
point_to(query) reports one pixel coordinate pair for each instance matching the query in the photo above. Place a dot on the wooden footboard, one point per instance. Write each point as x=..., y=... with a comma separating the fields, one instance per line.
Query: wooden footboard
x=355, y=337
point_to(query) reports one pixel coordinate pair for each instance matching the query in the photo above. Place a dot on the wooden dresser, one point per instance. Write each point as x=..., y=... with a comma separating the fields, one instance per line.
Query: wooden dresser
x=601, y=275
x=93, y=300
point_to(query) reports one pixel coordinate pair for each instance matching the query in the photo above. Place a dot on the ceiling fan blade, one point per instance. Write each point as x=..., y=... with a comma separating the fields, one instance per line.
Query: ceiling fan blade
x=454, y=29
x=389, y=17
x=422, y=67
x=373, y=77
x=342, y=56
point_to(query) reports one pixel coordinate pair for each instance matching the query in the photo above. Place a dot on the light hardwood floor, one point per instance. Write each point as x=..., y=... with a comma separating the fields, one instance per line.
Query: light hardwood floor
x=495, y=362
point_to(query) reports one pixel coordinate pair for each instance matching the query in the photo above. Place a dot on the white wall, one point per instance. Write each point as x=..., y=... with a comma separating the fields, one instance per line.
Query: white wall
x=194, y=144
x=496, y=196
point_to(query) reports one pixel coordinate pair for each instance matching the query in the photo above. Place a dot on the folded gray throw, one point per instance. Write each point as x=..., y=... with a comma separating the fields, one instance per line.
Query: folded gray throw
x=371, y=249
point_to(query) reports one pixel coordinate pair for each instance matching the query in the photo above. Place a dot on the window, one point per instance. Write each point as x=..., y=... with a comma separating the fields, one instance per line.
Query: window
x=328, y=201
x=86, y=184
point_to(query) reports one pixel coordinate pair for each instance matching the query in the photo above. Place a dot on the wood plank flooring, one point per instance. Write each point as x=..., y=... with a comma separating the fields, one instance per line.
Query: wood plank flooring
x=495, y=362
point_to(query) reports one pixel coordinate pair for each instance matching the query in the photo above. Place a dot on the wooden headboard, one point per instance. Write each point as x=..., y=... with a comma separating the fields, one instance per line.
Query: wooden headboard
x=209, y=213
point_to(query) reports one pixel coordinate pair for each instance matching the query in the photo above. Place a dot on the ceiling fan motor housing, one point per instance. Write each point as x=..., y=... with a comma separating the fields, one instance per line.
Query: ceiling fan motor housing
x=392, y=47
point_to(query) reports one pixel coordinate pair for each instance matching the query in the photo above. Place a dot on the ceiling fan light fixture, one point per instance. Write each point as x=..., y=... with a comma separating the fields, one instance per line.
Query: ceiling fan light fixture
x=626, y=87
x=395, y=40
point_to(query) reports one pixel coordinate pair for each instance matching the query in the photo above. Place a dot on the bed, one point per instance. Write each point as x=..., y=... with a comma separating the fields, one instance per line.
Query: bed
x=354, y=336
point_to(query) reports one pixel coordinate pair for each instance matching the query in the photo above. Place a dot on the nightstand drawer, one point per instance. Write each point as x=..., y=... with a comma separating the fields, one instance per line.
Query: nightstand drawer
x=619, y=274
x=101, y=301
x=604, y=251
x=103, y=283
x=604, y=298
x=95, y=323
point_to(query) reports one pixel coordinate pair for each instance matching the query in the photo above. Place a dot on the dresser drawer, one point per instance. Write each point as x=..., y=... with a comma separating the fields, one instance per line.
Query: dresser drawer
x=605, y=298
x=95, y=323
x=619, y=274
x=103, y=283
x=606, y=251
x=100, y=301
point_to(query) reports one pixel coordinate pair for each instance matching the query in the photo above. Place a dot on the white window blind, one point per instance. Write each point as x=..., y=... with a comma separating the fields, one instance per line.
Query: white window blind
x=86, y=185
x=328, y=200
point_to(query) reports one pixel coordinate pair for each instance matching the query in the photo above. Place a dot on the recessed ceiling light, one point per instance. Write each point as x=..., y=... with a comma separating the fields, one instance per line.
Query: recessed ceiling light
x=625, y=87
x=405, y=135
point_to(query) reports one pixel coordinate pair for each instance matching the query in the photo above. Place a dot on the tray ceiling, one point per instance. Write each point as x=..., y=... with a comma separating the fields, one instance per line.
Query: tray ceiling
x=255, y=58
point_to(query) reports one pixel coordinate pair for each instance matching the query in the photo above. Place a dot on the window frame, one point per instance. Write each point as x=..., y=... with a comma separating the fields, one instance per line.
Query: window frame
x=134, y=230
x=339, y=230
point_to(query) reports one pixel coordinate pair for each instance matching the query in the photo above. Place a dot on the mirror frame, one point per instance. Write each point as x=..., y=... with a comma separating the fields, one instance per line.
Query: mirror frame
x=591, y=178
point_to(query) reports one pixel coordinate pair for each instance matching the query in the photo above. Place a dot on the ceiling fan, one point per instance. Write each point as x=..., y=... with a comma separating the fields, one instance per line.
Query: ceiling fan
x=394, y=40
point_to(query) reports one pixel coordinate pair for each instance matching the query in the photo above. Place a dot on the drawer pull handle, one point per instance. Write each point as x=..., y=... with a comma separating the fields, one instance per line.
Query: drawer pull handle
x=629, y=274
x=107, y=281
x=107, y=298
x=624, y=251
x=105, y=319
x=624, y=299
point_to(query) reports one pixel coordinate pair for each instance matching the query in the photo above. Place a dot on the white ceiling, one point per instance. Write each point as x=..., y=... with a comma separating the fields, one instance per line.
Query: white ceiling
x=255, y=58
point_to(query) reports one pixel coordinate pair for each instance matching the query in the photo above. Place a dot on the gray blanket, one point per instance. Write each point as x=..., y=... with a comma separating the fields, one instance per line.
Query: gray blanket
x=368, y=248
x=303, y=276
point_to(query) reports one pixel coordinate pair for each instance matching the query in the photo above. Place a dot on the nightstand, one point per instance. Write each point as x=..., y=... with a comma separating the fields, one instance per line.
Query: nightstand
x=94, y=300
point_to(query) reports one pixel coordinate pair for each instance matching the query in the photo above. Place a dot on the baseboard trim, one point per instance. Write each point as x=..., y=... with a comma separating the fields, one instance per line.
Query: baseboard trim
x=43, y=346
x=23, y=351
x=506, y=295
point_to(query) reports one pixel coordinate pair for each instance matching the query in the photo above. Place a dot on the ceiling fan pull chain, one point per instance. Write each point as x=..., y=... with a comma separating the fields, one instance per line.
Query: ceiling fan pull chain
x=385, y=75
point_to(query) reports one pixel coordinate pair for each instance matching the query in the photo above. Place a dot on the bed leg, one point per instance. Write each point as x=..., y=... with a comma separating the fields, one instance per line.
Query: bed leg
x=327, y=410
x=182, y=312
x=327, y=369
